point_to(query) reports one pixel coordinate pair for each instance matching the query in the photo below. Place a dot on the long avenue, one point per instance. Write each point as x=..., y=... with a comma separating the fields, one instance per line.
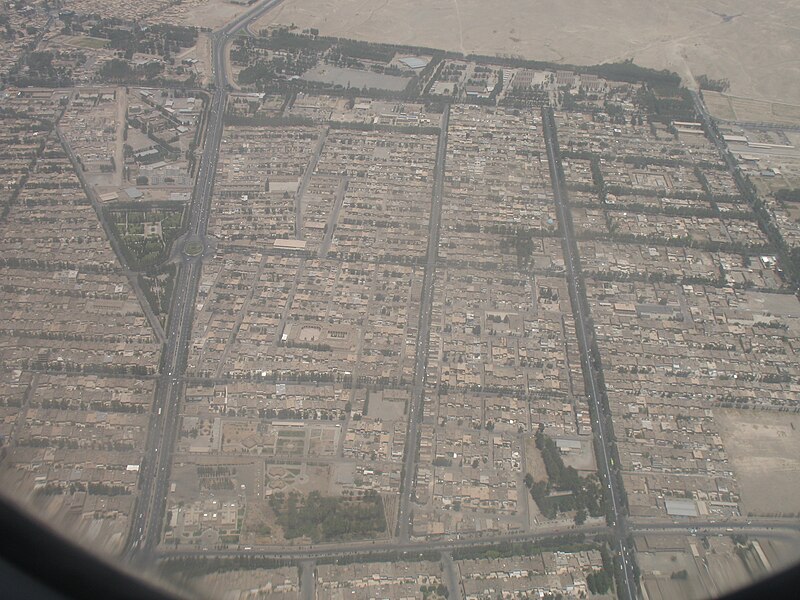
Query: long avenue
x=774, y=528
x=582, y=326
x=404, y=514
x=148, y=520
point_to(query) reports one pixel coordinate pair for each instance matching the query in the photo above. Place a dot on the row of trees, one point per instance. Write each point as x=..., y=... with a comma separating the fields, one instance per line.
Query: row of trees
x=572, y=542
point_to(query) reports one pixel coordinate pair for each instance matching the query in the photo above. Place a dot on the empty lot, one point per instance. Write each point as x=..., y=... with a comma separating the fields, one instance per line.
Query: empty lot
x=764, y=448
x=733, y=108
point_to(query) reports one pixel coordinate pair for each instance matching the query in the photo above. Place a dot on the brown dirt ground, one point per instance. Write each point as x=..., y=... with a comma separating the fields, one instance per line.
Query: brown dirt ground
x=723, y=39
x=764, y=449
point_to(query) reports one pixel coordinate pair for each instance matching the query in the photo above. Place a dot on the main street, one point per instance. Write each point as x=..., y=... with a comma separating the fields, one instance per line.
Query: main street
x=770, y=528
x=404, y=514
x=382, y=547
x=583, y=325
x=150, y=511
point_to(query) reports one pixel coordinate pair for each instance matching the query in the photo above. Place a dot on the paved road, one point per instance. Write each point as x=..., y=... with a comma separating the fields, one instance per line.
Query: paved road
x=333, y=221
x=451, y=577
x=154, y=470
x=404, y=514
x=382, y=547
x=767, y=527
x=306, y=179
x=150, y=511
x=583, y=328
x=777, y=528
x=308, y=580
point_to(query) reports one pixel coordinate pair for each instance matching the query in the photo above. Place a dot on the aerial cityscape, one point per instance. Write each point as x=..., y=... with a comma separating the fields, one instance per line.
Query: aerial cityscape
x=295, y=309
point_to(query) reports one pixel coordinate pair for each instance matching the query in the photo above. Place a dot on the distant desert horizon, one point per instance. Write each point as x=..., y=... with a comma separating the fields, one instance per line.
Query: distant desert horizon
x=732, y=40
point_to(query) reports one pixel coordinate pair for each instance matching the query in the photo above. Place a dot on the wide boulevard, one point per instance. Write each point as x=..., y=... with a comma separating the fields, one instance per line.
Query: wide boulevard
x=148, y=521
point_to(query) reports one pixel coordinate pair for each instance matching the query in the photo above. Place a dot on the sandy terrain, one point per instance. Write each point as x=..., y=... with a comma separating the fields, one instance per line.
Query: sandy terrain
x=214, y=13
x=714, y=37
x=764, y=448
x=735, y=108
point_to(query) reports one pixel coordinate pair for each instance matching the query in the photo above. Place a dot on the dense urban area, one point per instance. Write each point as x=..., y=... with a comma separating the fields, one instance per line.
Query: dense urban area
x=293, y=316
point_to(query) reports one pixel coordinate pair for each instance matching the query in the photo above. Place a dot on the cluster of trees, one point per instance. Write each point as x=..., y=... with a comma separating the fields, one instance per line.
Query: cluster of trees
x=308, y=414
x=161, y=38
x=120, y=70
x=304, y=49
x=631, y=73
x=435, y=591
x=523, y=246
x=378, y=127
x=306, y=345
x=299, y=53
x=682, y=574
x=74, y=444
x=214, y=471
x=214, y=484
x=601, y=581
x=326, y=518
x=788, y=195
x=42, y=71
x=677, y=211
x=259, y=71
x=525, y=98
x=50, y=489
x=44, y=364
x=104, y=489
x=46, y=442
x=145, y=251
x=584, y=493
x=573, y=542
x=361, y=51
x=45, y=265
x=395, y=556
x=115, y=406
x=666, y=102
x=751, y=247
x=713, y=85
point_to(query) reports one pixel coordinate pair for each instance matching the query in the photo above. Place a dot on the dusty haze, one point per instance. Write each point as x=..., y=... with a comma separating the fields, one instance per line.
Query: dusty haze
x=755, y=45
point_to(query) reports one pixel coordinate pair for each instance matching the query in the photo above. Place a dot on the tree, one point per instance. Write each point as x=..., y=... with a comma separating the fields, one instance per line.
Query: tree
x=682, y=574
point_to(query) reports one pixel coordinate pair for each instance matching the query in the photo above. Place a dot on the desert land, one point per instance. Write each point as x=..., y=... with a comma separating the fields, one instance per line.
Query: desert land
x=754, y=46
x=763, y=448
